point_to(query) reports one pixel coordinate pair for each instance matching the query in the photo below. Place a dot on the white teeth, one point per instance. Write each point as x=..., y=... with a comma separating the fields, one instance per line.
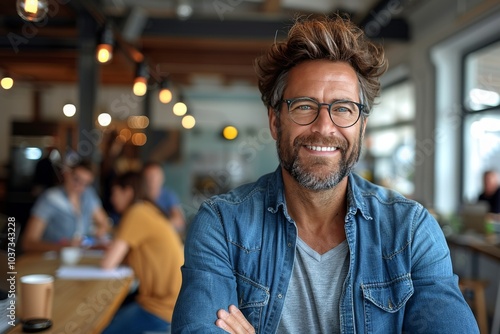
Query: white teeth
x=322, y=148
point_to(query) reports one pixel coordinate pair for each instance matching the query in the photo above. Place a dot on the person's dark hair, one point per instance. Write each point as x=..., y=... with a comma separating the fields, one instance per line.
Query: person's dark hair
x=132, y=180
x=332, y=38
x=150, y=164
x=84, y=164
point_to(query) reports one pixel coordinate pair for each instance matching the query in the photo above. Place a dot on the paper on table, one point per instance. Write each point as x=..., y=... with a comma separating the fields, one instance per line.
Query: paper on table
x=93, y=253
x=92, y=272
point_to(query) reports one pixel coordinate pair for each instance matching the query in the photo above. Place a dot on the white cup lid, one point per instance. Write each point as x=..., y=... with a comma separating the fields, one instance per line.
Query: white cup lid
x=37, y=279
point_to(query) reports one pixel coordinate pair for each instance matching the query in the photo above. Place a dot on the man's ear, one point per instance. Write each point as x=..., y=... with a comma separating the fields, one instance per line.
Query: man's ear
x=273, y=125
x=365, y=122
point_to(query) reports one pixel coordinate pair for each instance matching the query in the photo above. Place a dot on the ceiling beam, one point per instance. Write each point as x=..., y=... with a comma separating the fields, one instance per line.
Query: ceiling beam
x=384, y=21
x=271, y=6
x=210, y=28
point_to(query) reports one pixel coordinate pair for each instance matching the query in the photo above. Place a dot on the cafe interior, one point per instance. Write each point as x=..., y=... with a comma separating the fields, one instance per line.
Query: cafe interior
x=125, y=82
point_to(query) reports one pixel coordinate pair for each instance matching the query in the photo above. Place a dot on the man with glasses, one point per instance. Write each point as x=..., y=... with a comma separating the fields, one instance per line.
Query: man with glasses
x=65, y=215
x=313, y=247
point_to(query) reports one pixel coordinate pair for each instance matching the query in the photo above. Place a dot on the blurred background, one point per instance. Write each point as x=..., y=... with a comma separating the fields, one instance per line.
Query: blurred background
x=435, y=129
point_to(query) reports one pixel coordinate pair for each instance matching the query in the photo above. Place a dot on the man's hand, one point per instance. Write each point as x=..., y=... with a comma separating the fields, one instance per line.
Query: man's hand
x=233, y=322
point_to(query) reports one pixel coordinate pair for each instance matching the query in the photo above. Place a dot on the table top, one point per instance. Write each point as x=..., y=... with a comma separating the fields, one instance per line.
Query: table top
x=80, y=306
x=478, y=243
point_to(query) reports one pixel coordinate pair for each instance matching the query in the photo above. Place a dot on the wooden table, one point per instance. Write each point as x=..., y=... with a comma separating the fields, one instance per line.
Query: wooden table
x=80, y=306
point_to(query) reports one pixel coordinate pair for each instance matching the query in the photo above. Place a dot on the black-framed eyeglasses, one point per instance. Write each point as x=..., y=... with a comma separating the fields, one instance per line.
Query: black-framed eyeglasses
x=305, y=110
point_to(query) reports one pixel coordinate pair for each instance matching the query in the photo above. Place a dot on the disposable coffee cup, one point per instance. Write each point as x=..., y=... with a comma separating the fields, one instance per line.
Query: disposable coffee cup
x=37, y=294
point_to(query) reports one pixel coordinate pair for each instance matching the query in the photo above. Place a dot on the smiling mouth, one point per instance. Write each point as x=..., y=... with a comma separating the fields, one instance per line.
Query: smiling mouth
x=321, y=148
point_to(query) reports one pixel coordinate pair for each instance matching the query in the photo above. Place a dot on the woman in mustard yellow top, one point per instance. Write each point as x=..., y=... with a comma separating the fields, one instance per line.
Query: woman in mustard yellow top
x=153, y=249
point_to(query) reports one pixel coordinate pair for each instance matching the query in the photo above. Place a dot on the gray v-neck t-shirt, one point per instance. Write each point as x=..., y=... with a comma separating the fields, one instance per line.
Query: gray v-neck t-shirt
x=312, y=300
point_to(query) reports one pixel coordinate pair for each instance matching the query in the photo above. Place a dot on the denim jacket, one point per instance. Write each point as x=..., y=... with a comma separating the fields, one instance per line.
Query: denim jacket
x=240, y=250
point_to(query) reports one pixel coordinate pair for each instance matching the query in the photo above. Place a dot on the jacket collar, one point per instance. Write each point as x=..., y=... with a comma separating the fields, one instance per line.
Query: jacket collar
x=355, y=201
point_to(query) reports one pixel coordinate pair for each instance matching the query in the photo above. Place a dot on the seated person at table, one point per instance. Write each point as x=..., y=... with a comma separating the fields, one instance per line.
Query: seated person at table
x=491, y=191
x=153, y=249
x=63, y=215
x=166, y=199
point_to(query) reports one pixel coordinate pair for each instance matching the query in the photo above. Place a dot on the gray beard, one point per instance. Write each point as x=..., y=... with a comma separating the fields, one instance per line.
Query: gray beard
x=309, y=180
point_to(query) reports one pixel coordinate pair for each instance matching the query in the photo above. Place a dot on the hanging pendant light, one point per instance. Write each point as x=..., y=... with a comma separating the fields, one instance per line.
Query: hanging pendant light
x=32, y=10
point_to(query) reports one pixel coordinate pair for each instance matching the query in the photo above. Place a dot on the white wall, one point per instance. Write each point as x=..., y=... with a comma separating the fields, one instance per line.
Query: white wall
x=16, y=104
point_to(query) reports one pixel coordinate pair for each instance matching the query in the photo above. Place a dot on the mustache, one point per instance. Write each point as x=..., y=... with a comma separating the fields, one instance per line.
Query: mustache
x=318, y=140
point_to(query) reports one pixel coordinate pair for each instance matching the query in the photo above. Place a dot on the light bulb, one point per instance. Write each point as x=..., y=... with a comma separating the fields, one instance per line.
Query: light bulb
x=180, y=109
x=188, y=122
x=165, y=95
x=104, y=53
x=32, y=10
x=7, y=83
x=230, y=132
x=104, y=50
x=69, y=110
x=140, y=86
x=139, y=139
x=104, y=119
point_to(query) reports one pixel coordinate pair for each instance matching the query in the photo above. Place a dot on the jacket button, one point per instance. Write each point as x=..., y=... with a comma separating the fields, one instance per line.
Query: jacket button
x=280, y=295
x=289, y=244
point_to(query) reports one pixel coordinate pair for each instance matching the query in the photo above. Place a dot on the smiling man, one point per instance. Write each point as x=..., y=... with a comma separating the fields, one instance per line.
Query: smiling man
x=312, y=247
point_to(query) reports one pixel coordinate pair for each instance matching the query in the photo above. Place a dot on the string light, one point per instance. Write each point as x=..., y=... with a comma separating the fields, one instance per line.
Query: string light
x=180, y=109
x=104, y=119
x=32, y=10
x=141, y=80
x=165, y=94
x=7, y=82
x=139, y=139
x=104, y=51
x=69, y=110
x=188, y=122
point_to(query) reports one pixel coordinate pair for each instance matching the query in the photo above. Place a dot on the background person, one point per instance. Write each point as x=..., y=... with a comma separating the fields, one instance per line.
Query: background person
x=313, y=247
x=491, y=190
x=153, y=249
x=64, y=215
x=47, y=172
x=166, y=199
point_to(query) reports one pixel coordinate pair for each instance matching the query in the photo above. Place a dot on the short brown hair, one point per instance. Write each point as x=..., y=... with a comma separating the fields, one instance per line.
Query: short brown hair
x=332, y=38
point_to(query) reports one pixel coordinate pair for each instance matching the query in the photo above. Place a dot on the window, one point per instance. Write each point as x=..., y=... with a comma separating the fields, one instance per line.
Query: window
x=389, y=148
x=481, y=104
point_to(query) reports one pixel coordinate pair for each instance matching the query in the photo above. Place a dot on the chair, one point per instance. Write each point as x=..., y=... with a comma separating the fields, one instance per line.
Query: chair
x=473, y=291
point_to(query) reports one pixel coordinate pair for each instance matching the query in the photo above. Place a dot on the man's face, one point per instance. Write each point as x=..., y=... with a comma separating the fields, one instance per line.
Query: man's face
x=79, y=179
x=319, y=155
x=153, y=176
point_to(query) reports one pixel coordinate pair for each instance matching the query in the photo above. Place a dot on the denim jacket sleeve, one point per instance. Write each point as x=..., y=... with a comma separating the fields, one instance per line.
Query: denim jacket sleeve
x=437, y=304
x=209, y=273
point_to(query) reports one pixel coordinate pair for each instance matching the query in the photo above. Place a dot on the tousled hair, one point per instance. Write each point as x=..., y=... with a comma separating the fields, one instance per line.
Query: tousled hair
x=332, y=38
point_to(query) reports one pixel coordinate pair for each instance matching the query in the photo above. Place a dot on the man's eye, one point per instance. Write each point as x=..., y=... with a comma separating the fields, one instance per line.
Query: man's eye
x=305, y=107
x=342, y=109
